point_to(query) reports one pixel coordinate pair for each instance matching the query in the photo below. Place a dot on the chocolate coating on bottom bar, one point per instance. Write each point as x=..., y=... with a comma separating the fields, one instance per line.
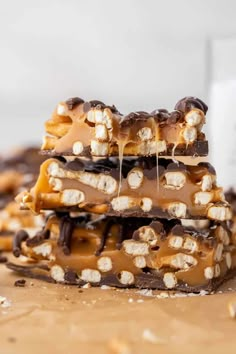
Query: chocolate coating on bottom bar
x=143, y=281
x=34, y=271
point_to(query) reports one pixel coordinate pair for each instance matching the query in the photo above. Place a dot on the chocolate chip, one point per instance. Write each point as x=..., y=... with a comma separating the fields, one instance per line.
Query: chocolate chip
x=99, y=105
x=188, y=103
x=20, y=283
x=38, y=238
x=75, y=165
x=73, y=102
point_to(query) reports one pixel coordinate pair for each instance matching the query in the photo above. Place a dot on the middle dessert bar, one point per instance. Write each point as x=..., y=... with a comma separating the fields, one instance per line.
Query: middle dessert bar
x=141, y=189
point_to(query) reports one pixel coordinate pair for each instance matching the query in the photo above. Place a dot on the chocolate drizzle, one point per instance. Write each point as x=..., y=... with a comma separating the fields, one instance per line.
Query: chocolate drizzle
x=105, y=234
x=148, y=164
x=126, y=229
x=66, y=229
x=39, y=238
x=131, y=118
x=99, y=105
x=20, y=236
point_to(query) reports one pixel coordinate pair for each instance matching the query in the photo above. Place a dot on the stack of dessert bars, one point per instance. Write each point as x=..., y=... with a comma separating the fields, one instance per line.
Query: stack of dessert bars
x=125, y=211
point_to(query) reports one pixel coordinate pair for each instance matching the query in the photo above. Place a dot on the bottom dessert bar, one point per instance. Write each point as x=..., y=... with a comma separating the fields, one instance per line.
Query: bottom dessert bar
x=159, y=254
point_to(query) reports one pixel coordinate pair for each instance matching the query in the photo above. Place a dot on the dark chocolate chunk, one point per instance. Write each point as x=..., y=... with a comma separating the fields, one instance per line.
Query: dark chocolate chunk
x=99, y=105
x=188, y=103
x=70, y=276
x=73, y=102
x=20, y=283
x=178, y=230
x=3, y=259
x=20, y=236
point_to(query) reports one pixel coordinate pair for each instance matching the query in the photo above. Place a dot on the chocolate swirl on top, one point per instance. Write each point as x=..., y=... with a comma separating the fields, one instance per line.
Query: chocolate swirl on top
x=188, y=103
x=133, y=117
x=99, y=105
x=160, y=116
x=73, y=102
x=163, y=116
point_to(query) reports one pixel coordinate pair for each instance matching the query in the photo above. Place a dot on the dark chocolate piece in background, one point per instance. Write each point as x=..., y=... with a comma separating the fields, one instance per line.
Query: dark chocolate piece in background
x=190, y=102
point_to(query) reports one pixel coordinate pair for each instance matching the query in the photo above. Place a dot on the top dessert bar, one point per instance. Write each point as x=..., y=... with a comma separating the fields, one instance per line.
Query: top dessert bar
x=79, y=128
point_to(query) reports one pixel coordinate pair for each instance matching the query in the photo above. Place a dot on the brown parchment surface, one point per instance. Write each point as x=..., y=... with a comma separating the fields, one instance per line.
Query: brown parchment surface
x=48, y=318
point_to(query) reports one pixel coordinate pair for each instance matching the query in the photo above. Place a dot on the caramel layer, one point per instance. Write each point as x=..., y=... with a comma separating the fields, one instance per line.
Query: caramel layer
x=129, y=252
x=92, y=128
x=179, y=191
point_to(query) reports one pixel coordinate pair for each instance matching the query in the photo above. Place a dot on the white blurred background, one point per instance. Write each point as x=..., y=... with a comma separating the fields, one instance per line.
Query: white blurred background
x=137, y=54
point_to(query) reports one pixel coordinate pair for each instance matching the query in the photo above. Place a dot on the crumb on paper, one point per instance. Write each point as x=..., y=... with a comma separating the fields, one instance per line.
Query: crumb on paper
x=232, y=309
x=86, y=286
x=106, y=287
x=119, y=346
x=149, y=336
x=204, y=292
x=4, y=302
x=139, y=301
x=163, y=295
x=130, y=300
x=145, y=292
